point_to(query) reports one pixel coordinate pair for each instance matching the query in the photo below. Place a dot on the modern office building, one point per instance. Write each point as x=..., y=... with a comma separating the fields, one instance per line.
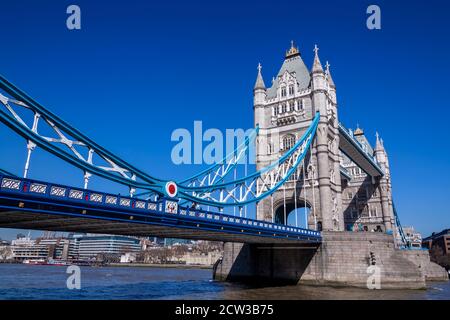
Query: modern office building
x=88, y=247
x=76, y=247
x=25, y=248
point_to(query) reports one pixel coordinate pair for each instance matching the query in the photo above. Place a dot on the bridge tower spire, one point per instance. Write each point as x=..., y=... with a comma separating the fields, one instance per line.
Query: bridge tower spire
x=327, y=144
x=259, y=97
x=335, y=154
x=260, y=112
x=385, y=187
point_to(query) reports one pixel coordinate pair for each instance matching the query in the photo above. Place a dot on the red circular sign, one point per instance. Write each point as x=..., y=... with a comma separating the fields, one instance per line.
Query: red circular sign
x=171, y=189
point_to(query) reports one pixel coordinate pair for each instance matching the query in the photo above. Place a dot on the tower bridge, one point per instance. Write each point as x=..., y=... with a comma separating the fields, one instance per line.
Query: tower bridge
x=305, y=158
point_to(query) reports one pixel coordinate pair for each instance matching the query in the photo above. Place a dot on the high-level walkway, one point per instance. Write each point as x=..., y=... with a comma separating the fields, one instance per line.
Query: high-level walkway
x=353, y=149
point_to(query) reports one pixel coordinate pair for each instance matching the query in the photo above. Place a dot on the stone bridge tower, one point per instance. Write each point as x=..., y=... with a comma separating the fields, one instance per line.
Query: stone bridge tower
x=284, y=111
x=339, y=193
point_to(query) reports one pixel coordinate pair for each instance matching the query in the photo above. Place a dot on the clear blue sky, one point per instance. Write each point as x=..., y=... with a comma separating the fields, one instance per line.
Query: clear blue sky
x=138, y=70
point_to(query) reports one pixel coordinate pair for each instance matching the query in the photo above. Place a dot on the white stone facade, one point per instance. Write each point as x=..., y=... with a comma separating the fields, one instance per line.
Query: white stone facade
x=283, y=112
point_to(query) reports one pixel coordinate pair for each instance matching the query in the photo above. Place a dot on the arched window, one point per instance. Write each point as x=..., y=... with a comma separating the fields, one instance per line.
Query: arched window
x=283, y=108
x=291, y=90
x=291, y=106
x=288, y=141
x=283, y=91
x=373, y=211
x=332, y=176
x=319, y=225
x=269, y=147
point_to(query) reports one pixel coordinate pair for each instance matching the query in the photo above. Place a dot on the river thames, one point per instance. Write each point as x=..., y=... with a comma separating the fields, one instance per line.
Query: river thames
x=19, y=281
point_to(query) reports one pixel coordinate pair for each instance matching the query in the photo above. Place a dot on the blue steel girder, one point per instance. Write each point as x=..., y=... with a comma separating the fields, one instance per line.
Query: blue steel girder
x=257, y=186
x=68, y=141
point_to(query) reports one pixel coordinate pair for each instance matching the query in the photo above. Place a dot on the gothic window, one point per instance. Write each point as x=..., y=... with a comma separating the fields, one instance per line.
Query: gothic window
x=319, y=225
x=288, y=141
x=291, y=106
x=373, y=211
x=328, y=107
x=300, y=104
x=274, y=111
x=291, y=90
x=283, y=91
x=350, y=195
x=283, y=108
x=269, y=148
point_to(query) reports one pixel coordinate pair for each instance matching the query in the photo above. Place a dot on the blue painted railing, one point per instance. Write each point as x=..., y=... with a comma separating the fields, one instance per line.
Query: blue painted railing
x=57, y=192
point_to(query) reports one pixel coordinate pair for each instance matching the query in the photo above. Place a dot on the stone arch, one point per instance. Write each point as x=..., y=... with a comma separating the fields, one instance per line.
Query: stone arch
x=302, y=208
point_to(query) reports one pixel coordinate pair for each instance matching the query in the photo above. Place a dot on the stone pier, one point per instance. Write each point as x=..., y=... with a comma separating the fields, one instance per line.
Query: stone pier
x=342, y=259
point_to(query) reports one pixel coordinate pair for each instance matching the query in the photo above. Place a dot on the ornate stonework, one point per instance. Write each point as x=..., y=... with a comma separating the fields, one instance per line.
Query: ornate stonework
x=285, y=111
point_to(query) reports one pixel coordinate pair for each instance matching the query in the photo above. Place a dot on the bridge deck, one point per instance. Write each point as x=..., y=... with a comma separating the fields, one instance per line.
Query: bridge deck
x=21, y=208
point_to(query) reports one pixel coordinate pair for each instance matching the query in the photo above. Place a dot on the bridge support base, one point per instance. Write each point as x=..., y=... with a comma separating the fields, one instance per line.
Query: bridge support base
x=342, y=259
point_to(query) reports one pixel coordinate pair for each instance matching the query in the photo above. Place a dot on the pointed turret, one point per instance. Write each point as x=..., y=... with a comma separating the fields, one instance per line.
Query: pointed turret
x=380, y=153
x=385, y=185
x=331, y=87
x=317, y=65
x=328, y=76
x=318, y=77
x=259, y=84
x=378, y=144
x=259, y=99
